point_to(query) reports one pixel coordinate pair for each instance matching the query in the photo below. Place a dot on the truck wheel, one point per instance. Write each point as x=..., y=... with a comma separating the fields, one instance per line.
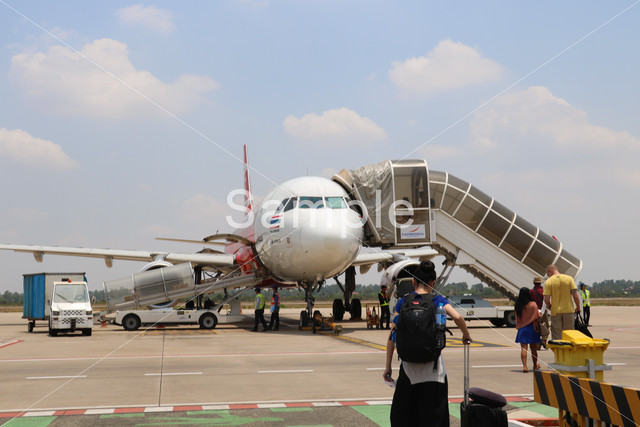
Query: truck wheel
x=52, y=332
x=87, y=332
x=510, y=319
x=131, y=322
x=208, y=321
x=30, y=326
x=497, y=322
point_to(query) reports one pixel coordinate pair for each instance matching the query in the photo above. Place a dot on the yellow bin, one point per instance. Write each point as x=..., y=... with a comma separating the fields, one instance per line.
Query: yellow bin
x=575, y=349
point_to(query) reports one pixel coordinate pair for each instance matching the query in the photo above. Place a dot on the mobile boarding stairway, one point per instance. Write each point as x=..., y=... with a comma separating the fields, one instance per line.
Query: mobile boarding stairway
x=471, y=229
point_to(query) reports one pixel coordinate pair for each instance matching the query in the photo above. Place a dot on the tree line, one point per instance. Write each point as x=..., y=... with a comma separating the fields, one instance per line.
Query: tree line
x=604, y=289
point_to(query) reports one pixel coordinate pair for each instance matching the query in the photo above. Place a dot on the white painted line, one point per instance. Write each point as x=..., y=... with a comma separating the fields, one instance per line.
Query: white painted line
x=214, y=407
x=152, y=374
x=271, y=405
x=39, y=414
x=159, y=409
x=60, y=377
x=291, y=371
x=99, y=411
x=378, y=402
x=322, y=404
x=496, y=366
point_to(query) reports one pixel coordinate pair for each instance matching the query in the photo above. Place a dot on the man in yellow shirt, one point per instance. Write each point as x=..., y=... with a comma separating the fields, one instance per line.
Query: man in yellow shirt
x=559, y=290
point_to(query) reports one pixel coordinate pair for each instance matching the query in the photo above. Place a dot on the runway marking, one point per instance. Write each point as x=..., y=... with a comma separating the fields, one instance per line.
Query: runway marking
x=58, y=377
x=155, y=374
x=286, y=371
x=451, y=342
x=7, y=344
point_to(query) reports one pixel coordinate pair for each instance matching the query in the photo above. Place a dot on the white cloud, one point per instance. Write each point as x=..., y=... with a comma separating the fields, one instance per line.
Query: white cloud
x=535, y=114
x=435, y=152
x=449, y=66
x=334, y=127
x=149, y=17
x=25, y=150
x=101, y=82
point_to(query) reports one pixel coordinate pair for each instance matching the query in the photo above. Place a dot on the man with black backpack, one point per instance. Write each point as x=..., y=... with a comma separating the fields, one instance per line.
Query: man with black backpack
x=421, y=393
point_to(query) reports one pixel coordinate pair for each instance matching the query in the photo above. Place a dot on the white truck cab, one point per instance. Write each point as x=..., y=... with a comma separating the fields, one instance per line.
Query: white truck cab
x=70, y=308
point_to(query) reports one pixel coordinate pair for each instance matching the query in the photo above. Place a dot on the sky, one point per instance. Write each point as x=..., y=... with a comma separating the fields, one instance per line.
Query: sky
x=121, y=122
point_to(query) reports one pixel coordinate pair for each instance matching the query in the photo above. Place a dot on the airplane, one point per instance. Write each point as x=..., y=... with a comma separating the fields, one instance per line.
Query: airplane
x=305, y=231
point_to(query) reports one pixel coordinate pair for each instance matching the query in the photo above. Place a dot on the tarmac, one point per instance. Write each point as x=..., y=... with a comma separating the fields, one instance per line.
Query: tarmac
x=233, y=377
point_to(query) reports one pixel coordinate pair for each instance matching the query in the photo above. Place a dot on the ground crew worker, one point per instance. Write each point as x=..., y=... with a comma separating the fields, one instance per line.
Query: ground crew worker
x=586, y=302
x=385, y=315
x=259, y=311
x=275, y=310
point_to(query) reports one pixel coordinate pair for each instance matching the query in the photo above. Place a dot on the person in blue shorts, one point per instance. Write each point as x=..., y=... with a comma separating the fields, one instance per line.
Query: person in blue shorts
x=527, y=315
x=421, y=393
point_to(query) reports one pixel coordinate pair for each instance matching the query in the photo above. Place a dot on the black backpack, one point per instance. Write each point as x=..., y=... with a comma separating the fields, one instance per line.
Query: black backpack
x=418, y=339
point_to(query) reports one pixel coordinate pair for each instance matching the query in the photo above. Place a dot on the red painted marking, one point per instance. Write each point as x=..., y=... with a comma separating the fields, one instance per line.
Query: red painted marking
x=299, y=405
x=128, y=410
x=187, y=408
x=10, y=343
x=11, y=414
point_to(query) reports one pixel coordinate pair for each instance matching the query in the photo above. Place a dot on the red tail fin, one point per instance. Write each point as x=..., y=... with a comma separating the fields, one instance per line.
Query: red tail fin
x=248, y=196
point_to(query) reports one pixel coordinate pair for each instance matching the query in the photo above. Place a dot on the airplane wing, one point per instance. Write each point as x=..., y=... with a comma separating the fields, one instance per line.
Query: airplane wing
x=203, y=259
x=394, y=255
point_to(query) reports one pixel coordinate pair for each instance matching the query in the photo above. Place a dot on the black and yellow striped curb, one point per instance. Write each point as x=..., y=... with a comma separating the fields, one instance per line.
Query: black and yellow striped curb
x=593, y=399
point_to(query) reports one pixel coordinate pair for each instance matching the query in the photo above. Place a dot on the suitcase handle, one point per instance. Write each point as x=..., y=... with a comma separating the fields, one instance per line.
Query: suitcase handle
x=466, y=373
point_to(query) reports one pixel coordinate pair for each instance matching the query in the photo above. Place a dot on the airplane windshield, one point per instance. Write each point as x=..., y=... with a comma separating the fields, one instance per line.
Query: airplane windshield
x=282, y=205
x=291, y=204
x=336, y=202
x=309, y=202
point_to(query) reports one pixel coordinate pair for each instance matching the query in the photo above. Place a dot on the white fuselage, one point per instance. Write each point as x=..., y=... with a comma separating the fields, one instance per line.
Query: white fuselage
x=306, y=232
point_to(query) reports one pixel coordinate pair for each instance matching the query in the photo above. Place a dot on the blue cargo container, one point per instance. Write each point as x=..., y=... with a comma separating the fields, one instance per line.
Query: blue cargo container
x=37, y=289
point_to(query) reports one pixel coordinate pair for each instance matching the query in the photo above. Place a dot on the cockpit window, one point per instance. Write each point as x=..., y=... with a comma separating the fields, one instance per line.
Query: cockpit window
x=309, y=202
x=291, y=204
x=281, y=206
x=336, y=202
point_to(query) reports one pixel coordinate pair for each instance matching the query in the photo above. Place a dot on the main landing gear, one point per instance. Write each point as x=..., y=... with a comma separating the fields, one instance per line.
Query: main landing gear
x=340, y=307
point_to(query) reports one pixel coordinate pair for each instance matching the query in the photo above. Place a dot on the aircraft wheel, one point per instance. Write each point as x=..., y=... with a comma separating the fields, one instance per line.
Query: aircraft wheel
x=497, y=322
x=356, y=309
x=338, y=309
x=208, y=321
x=510, y=319
x=131, y=322
x=304, y=319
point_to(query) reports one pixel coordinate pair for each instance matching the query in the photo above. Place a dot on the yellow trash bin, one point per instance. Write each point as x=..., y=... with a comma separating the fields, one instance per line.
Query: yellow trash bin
x=574, y=350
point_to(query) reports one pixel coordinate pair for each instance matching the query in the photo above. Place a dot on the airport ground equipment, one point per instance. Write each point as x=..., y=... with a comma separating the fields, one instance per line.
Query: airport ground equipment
x=405, y=204
x=474, y=308
x=62, y=299
x=373, y=319
x=323, y=323
x=148, y=298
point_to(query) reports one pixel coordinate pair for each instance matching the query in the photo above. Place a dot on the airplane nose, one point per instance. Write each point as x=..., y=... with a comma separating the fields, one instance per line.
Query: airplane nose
x=331, y=245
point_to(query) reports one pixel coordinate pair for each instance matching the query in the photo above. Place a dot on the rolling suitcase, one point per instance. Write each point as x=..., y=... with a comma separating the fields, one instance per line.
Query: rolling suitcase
x=484, y=408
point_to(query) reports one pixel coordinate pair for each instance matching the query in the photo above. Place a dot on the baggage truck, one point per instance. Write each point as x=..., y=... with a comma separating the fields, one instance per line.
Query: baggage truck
x=62, y=299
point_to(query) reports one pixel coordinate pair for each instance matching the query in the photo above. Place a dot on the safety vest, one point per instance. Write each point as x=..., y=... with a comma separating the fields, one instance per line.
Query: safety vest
x=586, y=298
x=259, y=302
x=384, y=300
